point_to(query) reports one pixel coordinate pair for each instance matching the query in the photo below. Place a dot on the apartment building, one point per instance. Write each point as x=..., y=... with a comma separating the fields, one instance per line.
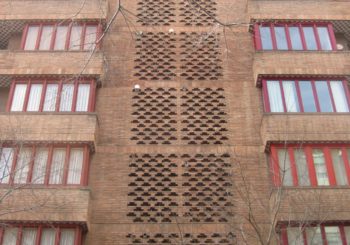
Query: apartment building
x=174, y=122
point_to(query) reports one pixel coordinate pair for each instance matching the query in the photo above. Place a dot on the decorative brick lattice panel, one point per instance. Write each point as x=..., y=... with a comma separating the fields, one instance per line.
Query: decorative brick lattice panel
x=200, y=56
x=156, y=12
x=154, y=116
x=175, y=238
x=198, y=12
x=203, y=116
x=155, y=56
x=207, y=187
x=153, y=189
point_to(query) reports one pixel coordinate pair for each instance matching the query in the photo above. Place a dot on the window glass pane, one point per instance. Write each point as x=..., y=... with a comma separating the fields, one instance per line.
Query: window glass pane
x=347, y=234
x=61, y=36
x=307, y=96
x=295, y=236
x=310, y=38
x=320, y=167
x=314, y=236
x=284, y=165
x=324, y=97
x=333, y=235
x=34, y=97
x=50, y=97
x=290, y=96
x=29, y=236
x=324, y=38
x=31, y=38
x=22, y=166
x=75, y=38
x=302, y=168
x=295, y=38
x=340, y=100
x=281, y=38
x=339, y=167
x=90, y=37
x=48, y=237
x=46, y=37
x=275, y=97
x=67, y=97
x=39, y=169
x=75, y=166
x=67, y=237
x=57, y=166
x=83, y=97
x=6, y=162
x=265, y=37
x=10, y=236
x=18, y=97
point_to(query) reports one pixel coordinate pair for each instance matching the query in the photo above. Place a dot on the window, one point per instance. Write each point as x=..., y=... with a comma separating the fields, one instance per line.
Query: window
x=316, y=235
x=41, y=235
x=305, y=95
x=73, y=36
x=311, y=165
x=294, y=36
x=52, y=96
x=44, y=165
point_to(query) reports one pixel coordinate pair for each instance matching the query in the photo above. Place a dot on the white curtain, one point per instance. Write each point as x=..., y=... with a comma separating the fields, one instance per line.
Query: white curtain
x=10, y=236
x=22, y=166
x=75, y=166
x=75, y=38
x=275, y=97
x=302, y=168
x=29, y=236
x=57, y=166
x=50, y=97
x=333, y=235
x=46, y=36
x=90, y=37
x=313, y=235
x=61, y=36
x=339, y=167
x=285, y=169
x=67, y=97
x=31, y=38
x=48, y=237
x=34, y=97
x=320, y=167
x=290, y=96
x=67, y=237
x=341, y=103
x=40, y=162
x=6, y=162
x=295, y=236
x=18, y=97
x=83, y=97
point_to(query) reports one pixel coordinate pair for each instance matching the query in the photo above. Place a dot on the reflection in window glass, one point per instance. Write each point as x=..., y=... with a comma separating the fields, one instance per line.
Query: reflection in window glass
x=310, y=38
x=339, y=167
x=265, y=36
x=339, y=97
x=46, y=36
x=285, y=169
x=324, y=38
x=32, y=36
x=307, y=96
x=275, y=97
x=90, y=37
x=324, y=97
x=302, y=169
x=75, y=38
x=314, y=236
x=281, y=38
x=290, y=96
x=320, y=167
x=60, y=40
x=295, y=38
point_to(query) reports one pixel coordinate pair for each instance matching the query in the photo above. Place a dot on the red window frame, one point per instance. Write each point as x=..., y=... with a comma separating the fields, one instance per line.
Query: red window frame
x=296, y=81
x=271, y=25
x=84, y=172
x=53, y=38
x=77, y=238
x=29, y=82
x=307, y=148
x=284, y=232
